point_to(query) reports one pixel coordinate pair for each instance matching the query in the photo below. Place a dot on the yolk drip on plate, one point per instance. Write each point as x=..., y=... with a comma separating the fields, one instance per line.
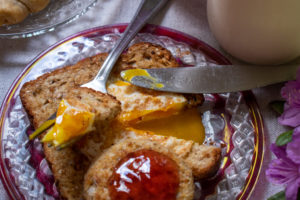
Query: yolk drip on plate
x=71, y=122
x=185, y=125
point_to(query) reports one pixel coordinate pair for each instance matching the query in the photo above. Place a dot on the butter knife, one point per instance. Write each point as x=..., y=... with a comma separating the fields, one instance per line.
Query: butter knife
x=210, y=78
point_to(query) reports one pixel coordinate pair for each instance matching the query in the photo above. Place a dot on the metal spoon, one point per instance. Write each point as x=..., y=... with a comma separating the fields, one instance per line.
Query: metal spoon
x=146, y=10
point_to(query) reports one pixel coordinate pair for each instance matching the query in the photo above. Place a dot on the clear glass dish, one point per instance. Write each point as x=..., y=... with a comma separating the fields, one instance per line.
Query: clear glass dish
x=58, y=12
x=232, y=121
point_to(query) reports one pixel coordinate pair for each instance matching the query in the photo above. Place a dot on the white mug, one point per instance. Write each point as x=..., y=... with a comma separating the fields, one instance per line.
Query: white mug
x=257, y=31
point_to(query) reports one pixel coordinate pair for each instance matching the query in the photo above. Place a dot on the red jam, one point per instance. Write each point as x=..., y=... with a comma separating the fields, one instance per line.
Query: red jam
x=145, y=175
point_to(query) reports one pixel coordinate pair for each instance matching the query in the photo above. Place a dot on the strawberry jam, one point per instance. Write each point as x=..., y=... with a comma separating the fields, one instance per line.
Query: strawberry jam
x=144, y=175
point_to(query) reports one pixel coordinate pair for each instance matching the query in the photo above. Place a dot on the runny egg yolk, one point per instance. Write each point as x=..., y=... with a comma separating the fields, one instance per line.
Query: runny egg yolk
x=144, y=105
x=157, y=113
x=136, y=116
x=71, y=122
x=185, y=125
x=128, y=75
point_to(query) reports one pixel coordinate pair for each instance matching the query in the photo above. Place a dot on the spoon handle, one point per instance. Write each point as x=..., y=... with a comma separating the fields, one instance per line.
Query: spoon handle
x=146, y=10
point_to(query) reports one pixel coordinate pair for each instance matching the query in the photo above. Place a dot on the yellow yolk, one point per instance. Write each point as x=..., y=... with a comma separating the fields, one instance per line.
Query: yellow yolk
x=137, y=116
x=70, y=123
x=154, y=112
x=139, y=104
x=128, y=75
x=185, y=125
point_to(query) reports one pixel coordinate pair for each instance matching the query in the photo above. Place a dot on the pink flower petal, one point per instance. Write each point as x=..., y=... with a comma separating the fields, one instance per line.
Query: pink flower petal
x=278, y=151
x=283, y=169
x=298, y=75
x=291, y=92
x=290, y=117
x=293, y=150
x=288, y=86
x=280, y=172
x=296, y=133
x=292, y=188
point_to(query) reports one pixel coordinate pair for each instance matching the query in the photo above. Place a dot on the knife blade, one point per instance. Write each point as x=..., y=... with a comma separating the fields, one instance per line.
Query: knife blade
x=210, y=78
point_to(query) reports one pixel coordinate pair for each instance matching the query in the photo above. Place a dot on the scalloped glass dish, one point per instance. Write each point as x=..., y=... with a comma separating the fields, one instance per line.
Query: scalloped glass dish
x=232, y=121
x=55, y=14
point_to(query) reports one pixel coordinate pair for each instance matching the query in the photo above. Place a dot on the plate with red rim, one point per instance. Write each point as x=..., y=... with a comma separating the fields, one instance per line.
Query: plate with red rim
x=232, y=120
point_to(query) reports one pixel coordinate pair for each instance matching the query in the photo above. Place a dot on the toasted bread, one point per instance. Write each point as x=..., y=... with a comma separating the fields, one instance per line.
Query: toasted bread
x=204, y=160
x=41, y=98
x=96, y=181
x=146, y=55
x=69, y=165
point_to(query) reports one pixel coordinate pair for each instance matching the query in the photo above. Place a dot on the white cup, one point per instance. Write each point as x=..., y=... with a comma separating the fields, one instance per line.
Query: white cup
x=257, y=31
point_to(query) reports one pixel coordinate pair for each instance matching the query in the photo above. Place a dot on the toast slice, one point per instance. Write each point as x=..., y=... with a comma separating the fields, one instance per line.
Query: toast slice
x=69, y=165
x=41, y=98
x=97, y=179
x=204, y=160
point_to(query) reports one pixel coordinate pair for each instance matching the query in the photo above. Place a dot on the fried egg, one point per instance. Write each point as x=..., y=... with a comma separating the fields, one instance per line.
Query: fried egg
x=72, y=121
x=160, y=113
x=139, y=104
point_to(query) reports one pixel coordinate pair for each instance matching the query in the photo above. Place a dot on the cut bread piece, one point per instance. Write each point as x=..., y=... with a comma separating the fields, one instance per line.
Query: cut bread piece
x=12, y=12
x=97, y=179
x=145, y=55
x=42, y=96
x=35, y=5
x=80, y=112
x=69, y=165
x=204, y=160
